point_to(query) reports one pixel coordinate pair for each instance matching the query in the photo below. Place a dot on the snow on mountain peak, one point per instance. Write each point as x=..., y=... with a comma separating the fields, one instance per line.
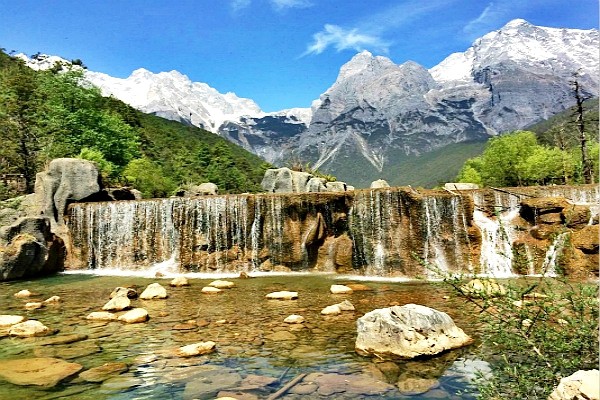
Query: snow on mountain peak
x=526, y=44
x=173, y=95
x=364, y=61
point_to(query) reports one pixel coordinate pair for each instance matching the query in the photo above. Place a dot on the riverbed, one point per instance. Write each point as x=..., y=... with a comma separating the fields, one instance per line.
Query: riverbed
x=257, y=352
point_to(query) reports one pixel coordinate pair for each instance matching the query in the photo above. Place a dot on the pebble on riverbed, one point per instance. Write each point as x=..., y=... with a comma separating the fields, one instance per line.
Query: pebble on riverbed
x=52, y=300
x=294, y=319
x=340, y=289
x=134, y=316
x=33, y=306
x=23, y=294
x=9, y=320
x=283, y=295
x=196, y=349
x=102, y=316
x=30, y=328
x=211, y=290
x=154, y=291
x=219, y=284
x=179, y=282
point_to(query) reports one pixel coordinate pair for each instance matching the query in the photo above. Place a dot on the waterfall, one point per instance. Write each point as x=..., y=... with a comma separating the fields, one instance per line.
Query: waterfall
x=552, y=255
x=388, y=232
x=497, y=236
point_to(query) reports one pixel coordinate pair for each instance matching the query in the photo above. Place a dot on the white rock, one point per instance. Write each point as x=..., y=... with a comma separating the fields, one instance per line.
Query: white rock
x=294, y=319
x=124, y=291
x=222, y=284
x=578, y=386
x=408, y=331
x=52, y=300
x=179, y=281
x=117, y=304
x=134, y=316
x=23, y=293
x=210, y=290
x=283, y=295
x=346, y=306
x=340, y=289
x=33, y=305
x=29, y=328
x=154, y=291
x=102, y=316
x=196, y=349
x=9, y=320
x=331, y=310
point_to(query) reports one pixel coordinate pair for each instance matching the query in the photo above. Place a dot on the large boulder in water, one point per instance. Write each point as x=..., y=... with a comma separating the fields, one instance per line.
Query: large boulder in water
x=408, y=331
x=28, y=249
x=67, y=180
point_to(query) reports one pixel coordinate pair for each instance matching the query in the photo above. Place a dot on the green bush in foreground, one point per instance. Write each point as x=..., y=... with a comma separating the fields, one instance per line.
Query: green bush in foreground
x=537, y=333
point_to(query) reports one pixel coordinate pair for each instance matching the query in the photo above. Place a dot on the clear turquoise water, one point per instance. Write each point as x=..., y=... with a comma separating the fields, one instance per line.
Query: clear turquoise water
x=240, y=320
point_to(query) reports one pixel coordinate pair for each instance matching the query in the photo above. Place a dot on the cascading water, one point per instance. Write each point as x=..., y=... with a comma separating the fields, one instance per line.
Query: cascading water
x=391, y=232
x=497, y=236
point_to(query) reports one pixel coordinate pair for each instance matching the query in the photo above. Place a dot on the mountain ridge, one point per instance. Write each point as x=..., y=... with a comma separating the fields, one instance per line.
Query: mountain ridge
x=377, y=110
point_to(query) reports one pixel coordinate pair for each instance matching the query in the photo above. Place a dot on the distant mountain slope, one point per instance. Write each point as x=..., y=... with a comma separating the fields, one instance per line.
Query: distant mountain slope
x=46, y=114
x=378, y=114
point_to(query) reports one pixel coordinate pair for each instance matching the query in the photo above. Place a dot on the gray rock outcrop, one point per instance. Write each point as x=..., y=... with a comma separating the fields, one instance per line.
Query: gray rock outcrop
x=67, y=180
x=284, y=180
x=28, y=248
x=204, y=189
x=408, y=331
x=379, y=184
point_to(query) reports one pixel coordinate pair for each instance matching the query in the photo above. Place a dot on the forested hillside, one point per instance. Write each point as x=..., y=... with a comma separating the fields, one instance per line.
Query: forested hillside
x=49, y=114
x=549, y=152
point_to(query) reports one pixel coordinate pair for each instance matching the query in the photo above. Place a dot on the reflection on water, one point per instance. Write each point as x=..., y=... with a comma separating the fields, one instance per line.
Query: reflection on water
x=253, y=341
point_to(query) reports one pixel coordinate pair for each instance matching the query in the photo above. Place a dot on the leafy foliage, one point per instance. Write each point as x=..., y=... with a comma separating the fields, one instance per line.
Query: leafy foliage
x=539, y=331
x=517, y=159
x=50, y=114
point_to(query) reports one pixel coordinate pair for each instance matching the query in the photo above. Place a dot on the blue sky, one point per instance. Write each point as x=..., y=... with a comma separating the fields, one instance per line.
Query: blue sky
x=280, y=53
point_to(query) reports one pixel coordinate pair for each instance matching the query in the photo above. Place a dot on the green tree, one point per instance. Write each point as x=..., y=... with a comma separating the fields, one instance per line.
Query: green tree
x=21, y=131
x=148, y=177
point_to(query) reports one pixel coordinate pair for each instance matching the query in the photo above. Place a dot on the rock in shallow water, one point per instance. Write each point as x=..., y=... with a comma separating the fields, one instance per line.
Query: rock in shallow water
x=207, y=384
x=9, y=320
x=219, y=284
x=179, y=282
x=196, y=349
x=340, y=289
x=294, y=319
x=283, y=295
x=407, y=332
x=102, y=316
x=117, y=303
x=46, y=372
x=154, y=291
x=103, y=372
x=134, y=316
x=30, y=328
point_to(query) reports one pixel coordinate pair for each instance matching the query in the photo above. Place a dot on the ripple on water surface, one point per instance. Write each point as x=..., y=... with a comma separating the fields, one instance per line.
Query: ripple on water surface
x=257, y=353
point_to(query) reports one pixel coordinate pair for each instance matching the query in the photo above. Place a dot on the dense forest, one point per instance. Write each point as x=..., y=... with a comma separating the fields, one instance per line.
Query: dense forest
x=549, y=152
x=53, y=113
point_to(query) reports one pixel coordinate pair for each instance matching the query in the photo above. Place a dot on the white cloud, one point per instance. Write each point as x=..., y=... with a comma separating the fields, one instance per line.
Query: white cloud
x=498, y=13
x=238, y=5
x=283, y=4
x=369, y=32
x=278, y=5
x=344, y=39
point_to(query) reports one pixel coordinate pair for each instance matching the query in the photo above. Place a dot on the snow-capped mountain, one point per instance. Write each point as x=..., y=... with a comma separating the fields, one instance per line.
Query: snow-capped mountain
x=377, y=113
